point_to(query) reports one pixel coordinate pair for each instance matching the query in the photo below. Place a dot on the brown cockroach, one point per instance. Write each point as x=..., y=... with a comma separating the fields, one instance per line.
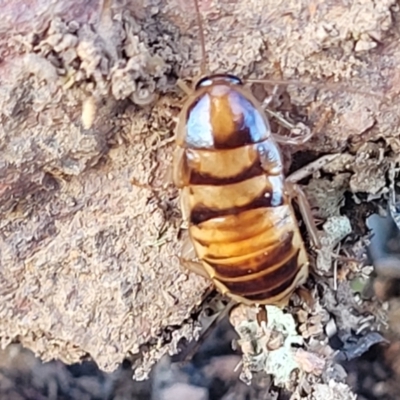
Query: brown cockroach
x=234, y=195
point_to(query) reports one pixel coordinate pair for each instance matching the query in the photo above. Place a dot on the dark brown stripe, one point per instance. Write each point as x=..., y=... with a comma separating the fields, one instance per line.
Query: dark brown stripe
x=254, y=170
x=273, y=292
x=238, y=138
x=200, y=213
x=263, y=262
x=268, y=280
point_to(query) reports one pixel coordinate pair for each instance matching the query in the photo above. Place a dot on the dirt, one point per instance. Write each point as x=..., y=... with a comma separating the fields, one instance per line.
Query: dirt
x=212, y=374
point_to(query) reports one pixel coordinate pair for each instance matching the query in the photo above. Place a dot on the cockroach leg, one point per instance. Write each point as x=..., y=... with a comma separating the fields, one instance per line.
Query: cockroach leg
x=306, y=297
x=295, y=192
x=282, y=121
x=310, y=168
x=187, y=354
x=194, y=266
x=188, y=259
x=294, y=141
x=184, y=87
x=267, y=101
x=303, y=133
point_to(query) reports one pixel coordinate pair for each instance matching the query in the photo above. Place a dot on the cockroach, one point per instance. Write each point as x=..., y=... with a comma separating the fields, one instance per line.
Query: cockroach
x=234, y=195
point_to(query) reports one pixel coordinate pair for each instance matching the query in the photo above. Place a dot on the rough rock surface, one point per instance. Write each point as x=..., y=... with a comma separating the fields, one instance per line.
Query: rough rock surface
x=90, y=228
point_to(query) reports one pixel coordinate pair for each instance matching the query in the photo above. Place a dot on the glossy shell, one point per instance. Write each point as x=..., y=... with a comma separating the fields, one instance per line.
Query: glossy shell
x=241, y=222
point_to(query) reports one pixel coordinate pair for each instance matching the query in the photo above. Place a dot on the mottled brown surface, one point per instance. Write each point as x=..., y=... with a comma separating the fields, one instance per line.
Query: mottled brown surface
x=88, y=260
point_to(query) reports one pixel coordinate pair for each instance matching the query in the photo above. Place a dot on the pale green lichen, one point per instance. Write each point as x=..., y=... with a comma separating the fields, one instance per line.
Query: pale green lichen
x=281, y=362
x=268, y=346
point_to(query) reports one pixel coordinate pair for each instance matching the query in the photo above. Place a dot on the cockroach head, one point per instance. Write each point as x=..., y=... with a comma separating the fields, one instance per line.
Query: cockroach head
x=217, y=78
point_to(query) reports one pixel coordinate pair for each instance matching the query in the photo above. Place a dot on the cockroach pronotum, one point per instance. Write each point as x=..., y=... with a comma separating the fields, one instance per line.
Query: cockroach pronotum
x=242, y=227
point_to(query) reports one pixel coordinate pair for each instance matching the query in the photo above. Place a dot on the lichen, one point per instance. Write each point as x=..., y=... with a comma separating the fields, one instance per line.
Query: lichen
x=267, y=347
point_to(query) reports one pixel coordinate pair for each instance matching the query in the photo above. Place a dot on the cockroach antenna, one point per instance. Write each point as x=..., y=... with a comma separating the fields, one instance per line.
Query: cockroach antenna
x=203, y=65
